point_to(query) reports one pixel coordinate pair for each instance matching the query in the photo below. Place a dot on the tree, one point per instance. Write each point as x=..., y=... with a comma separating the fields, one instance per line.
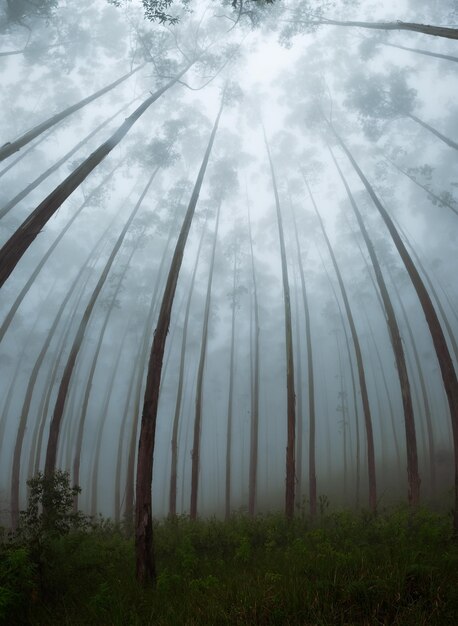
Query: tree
x=145, y=565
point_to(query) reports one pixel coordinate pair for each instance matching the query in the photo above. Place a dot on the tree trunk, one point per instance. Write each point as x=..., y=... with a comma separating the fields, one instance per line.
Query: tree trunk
x=15, y=247
x=254, y=421
x=291, y=397
x=13, y=146
x=24, y=291
x=66, y=378
x=360, y=365
x=195, y=454
x=413, y=476
x=25, y=192
x=435, y=31
x=176, y=418
x=440, y=343
x=436, y=133
x=230, y=399
x=435, y=197
x=145, y=565
x=15, y=478
x=87, y=391
x=446, y=57
x=25, y=153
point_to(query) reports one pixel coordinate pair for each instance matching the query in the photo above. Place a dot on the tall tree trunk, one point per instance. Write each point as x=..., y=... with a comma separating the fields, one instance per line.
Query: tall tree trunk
x=360, y=365
x=195, y=454
x=11, y=147
x=15, y=478
x=353, y=385
x=413, y=476
x=446, y=57
x=254, y=418
x=435, y=31
x=435, y=197
x=436, y=133
x=56, y=420
x=100, y=425
x=179, y=398
x=24, y=291
x=440, y=343
x=424, y=393
x=25, y=153
x=22, y=194
x=299, y=405
x=145, y=565
x=291, y=396
x=310, y=378
x=230, y=399
x=95, y=357
x=15, y=247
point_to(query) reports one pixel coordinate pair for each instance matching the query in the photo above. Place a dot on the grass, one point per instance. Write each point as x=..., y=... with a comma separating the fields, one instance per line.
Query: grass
x=398, y=569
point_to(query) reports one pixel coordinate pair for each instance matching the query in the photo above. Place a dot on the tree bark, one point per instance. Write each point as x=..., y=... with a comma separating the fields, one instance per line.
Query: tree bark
x=145, y=565
x=435, y=31
x=291, y=396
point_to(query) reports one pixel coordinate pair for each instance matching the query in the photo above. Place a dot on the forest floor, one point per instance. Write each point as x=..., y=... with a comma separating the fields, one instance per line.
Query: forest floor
x=397, y=568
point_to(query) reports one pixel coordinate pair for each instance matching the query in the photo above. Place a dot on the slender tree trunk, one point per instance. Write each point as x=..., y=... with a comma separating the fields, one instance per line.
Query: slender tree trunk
x=13, y=146
x=291, y=396
x=25, y=153
x=435, y=31
x=299, y=405
x=145, y=565
x=424, y=393
x=87, y=391
x=100, y=425
x=179, y=399
x=15, y=247
x=66, y=378
x=24, y=291
x=440, y=343
x=353, y=385
x=413, y=476
x=230, y=400
x=195, y=454
x=254, y=421
x=436, y=133
x=310, y=378
x=25, y=192
x=446, y=57
x=15, y=478
x=435, y=197
x=360, y=365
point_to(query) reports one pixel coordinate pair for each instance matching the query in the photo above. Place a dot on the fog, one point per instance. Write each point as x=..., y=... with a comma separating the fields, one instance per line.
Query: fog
x=305, y=95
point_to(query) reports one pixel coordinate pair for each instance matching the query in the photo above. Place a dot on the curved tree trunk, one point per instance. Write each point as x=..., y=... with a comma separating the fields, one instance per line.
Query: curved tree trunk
x=254, y=421
x=195, y=454
x=87, y=391
x=11, y=147
x=291, y=396
x=360, y=365
x=440, y=343
x=25, y=192
x=145, y=566
x=56, y=420
x=413, y=476
x=24, y=291
x=310, y=378
x=17, y=244
x=176, y=418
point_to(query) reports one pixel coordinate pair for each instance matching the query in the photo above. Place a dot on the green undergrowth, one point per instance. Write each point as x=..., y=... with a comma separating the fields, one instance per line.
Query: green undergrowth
x=397, y=568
